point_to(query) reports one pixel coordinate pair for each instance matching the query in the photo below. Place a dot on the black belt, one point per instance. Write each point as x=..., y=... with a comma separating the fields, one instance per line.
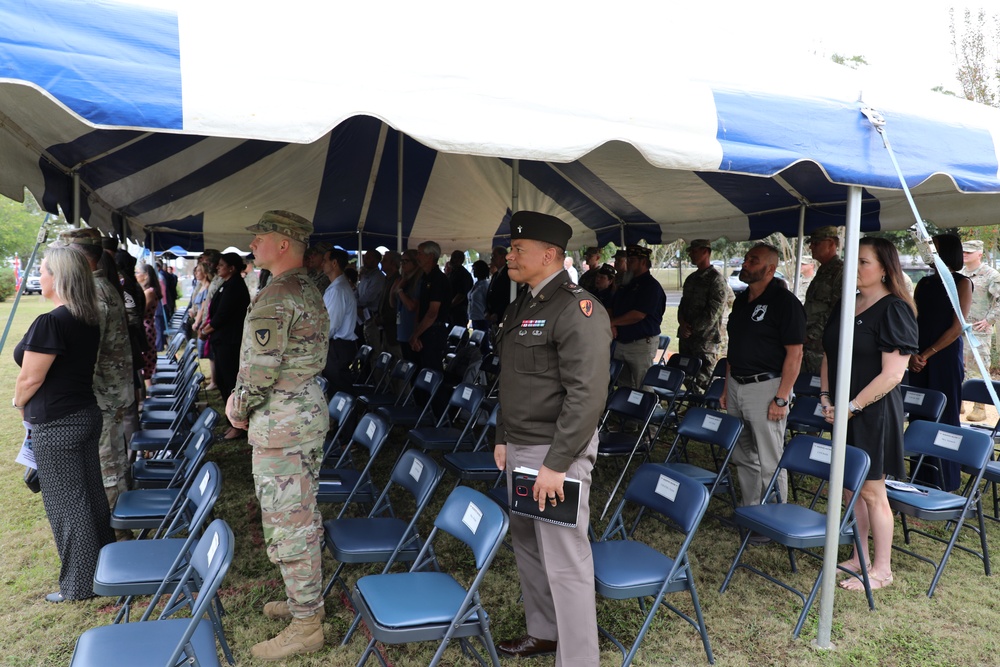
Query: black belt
x=751, y=379
x=635, y=340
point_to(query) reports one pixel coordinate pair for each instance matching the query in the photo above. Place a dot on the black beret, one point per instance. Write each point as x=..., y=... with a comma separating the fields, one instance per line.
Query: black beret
x=540, y=227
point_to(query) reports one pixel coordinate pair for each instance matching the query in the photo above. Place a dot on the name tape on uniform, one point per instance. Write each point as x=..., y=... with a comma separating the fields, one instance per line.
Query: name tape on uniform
x=667, y=487
x=821, y=452
x=473, y=515
x=711, y=422
x=948, y=440
x=416, y=469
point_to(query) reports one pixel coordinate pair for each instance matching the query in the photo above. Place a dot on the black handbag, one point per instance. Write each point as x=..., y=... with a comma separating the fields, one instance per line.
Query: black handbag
x=31, y=480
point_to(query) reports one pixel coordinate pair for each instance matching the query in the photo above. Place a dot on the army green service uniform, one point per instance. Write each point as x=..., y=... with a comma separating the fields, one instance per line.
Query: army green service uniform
x=823, y=292
x=113, y=387
x=555, y=355
x=282, y=355
x=703, y=302
x=985, y=306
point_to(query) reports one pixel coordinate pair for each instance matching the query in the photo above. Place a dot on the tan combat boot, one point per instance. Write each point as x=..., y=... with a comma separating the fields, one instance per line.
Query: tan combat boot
x=303, y=635
x=978, y=413
x=279, y=611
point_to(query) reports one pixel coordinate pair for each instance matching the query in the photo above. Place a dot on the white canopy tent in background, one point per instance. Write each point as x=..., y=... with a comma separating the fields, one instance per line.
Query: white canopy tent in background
x=179, y=125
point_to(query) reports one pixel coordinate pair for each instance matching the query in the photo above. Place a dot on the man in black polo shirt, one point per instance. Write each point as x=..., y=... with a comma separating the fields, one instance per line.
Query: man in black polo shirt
x=767, y=328
x=430, y=333
x=635, y=319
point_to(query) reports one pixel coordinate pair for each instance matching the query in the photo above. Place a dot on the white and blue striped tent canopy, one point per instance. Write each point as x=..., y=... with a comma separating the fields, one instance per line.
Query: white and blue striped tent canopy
x=184, y=122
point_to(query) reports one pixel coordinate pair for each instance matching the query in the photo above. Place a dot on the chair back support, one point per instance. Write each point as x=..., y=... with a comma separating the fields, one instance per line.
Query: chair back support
x=340, y=407
x=632, y=404
x=667, y=492
x=923, y=404
x=709, y=426
x=662, y=346
x=668, y=380
x=361, y=360
x=201, y=497
x=370, y=433
x=471, y=517
x=807, y=412
x=806, y=384
x=467, y=397
x=967, y=447
x=721, y=368
x=418, y=473
x=690, y=365
x=807, y=455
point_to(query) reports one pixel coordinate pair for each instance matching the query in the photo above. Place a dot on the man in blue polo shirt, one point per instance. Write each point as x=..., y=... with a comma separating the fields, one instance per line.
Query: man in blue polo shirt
x=635, y=321
x=767, y=328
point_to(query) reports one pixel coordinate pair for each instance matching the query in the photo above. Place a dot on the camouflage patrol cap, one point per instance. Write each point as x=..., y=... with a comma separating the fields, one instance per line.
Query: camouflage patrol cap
x=83, y=236
x=972, y=246
x=289, y=224
x=820, y=233
x=540, y=227
x=322, y=247
x=699, y=243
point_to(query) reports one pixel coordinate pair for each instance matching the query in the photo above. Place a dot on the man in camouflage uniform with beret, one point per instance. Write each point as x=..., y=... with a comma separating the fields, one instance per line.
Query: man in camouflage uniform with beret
x=699, y=314
x=823, y=293
x=982, y=313
x=113, y=371
x=279, y=400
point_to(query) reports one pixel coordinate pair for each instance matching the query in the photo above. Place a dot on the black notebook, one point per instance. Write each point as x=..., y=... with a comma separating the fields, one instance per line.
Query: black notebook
x=565, y=513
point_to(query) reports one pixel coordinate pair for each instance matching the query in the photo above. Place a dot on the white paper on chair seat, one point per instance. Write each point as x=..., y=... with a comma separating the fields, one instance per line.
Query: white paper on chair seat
x=416, y=469
x=473, y=515
x=948, y=440
x=667, y=487
x=711, y=422
x=915, y=397
x=820, y=452
x=635, y=398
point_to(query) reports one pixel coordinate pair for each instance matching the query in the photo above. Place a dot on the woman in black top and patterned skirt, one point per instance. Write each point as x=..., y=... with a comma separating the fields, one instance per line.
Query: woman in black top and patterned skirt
x=54, y=392
x=885, y=335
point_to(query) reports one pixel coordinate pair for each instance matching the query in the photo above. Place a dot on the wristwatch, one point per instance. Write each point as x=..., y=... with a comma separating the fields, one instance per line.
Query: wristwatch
x=780, y=402
x=854, y=408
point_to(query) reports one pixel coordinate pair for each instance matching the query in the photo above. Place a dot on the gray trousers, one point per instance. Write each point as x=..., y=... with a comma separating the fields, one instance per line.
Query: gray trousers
x=556, y=566
x=762, y=441
x=638, y=357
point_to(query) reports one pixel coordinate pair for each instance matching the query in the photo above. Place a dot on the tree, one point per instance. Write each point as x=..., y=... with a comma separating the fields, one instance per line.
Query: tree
x=19, y=225
x=975, y=46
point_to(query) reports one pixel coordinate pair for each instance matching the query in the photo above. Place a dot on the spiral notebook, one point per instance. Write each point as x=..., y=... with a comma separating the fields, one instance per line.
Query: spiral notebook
x=565, y=513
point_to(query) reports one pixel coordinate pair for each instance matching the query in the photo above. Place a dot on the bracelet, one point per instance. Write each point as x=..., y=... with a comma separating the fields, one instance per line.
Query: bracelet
x=933, y=348
x=825, y=393
x=16, y=406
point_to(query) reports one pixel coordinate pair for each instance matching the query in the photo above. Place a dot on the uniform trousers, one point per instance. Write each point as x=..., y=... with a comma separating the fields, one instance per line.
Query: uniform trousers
x=985, y=350
x=113, y=451
x=704, y=350
x=286, y=480
x=556, y=566
x=759, y=447
x=638, y=357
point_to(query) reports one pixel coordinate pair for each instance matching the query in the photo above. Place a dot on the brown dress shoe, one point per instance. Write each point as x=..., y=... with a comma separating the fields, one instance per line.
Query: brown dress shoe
x=526, y=646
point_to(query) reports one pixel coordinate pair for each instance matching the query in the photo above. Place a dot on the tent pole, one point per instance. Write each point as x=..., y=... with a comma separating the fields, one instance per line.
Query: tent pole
x=399, y=197
x=841, y=397
x=621, y=233
x=798, y=254
x=515, y=192
x=76, y=199
x=42, y=234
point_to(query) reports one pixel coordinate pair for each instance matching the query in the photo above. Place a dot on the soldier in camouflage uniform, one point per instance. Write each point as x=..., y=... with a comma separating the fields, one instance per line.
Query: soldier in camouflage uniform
x=313, y=262
x=113, y=371
x=823, y=293
x=699, y=314
x=982, y=312
x=279, y=400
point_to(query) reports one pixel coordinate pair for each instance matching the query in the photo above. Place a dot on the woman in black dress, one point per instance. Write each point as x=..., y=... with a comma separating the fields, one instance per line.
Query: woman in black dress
x=226, y=313
x=885, y=335
x=940, y=364
x=54, y=392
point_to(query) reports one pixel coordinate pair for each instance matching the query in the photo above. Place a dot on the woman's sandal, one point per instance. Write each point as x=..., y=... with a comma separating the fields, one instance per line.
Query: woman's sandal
x=852, y=584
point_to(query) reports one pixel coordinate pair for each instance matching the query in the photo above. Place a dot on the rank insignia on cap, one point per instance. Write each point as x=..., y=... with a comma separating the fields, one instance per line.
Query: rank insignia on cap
x=587, y=306
x=263, y=336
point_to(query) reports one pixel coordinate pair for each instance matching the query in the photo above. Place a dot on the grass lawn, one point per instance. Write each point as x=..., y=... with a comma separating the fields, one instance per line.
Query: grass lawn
x=750, y=624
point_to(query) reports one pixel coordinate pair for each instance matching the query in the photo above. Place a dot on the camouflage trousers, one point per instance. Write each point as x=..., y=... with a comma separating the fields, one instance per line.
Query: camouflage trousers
x=707, y=352
x=286, y=482
x=985, y=353
x=812, y=358
x=114, y=454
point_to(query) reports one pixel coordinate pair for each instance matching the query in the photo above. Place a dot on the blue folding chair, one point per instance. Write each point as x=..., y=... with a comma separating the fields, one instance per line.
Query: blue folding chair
x=624, y=430
x=350, y=485
x=360, y=366
x=137, y=567
x=146, y=509
x=668, y=385
x=377, y=377
x=801, y=529
x=719, y=432
x=161, y=473
x=401, y=376
x=454, y=427
x=417, y=409
x=661, y=349
x=972, y=450
x=626, y=568
x=419, y=605
x=479, y=464
x=382, y=536
x=340, y=408
x=806, y=384
x=169, y=641
x=923, y=404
